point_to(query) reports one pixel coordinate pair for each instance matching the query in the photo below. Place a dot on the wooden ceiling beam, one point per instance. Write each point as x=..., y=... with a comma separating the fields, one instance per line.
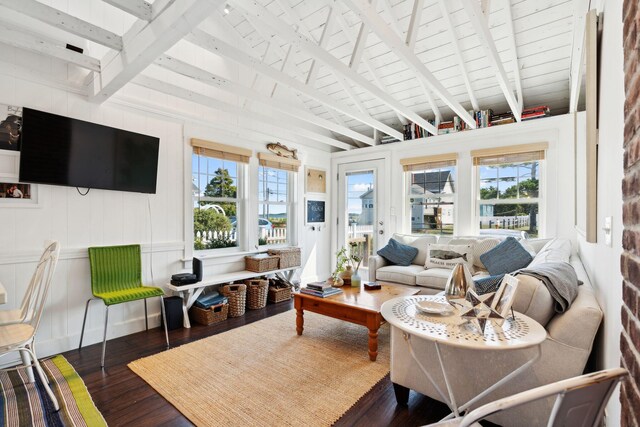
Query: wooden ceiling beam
x=300, y=128
x=305, y=44
x=56, y=18
x=324, y=39
x=158, y=36
x=456, y=48
x=138, y=8
x=580, y=9
x=203, y=76
x=221, y=48
x=22, y=38
x=481, y=27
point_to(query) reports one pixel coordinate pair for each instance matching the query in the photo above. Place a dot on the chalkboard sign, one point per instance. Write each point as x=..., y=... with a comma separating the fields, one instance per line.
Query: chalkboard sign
x=315, y=211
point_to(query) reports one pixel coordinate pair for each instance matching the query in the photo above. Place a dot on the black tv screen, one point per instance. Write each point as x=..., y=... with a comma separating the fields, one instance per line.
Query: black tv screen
x=58, y=150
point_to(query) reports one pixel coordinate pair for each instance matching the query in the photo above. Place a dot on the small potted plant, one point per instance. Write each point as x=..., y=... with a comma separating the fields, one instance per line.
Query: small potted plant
x=342, y=260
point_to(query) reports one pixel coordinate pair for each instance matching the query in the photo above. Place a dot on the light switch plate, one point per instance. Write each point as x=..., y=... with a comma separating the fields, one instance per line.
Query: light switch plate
x=607, y=230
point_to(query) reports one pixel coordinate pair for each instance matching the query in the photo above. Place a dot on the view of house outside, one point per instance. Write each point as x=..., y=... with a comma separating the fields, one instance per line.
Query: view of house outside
x=432, y=200
x=361, y=200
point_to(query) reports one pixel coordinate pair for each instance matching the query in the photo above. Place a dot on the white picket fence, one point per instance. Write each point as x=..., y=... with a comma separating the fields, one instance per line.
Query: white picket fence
x=272, y=236
x=507, y=222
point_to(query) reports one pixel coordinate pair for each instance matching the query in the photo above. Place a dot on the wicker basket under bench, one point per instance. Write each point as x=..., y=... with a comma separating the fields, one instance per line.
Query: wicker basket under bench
x=211, y=315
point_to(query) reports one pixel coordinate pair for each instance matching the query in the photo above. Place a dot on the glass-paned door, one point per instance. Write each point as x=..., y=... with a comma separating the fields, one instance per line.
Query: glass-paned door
x=361, y=221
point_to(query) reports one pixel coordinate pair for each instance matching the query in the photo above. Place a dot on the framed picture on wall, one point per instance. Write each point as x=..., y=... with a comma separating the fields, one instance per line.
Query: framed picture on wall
x=314, y=212
x=315, y=180
x=10, y=127
x=16, y=194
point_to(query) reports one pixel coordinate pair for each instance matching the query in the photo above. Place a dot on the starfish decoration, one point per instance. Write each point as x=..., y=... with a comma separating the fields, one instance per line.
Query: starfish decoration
x=477, y=309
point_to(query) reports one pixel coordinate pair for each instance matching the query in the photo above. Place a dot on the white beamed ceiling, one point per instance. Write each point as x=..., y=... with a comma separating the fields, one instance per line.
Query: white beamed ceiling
x=542, y=29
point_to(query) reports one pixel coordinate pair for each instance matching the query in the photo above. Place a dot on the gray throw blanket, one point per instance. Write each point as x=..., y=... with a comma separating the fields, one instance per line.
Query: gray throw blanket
x=560, y=279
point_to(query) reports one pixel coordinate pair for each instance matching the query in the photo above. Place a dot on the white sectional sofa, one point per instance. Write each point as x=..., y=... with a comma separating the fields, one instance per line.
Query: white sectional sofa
x=564, y=352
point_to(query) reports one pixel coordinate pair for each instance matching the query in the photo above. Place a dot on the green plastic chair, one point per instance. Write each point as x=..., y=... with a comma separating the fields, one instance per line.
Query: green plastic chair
x=116, y=277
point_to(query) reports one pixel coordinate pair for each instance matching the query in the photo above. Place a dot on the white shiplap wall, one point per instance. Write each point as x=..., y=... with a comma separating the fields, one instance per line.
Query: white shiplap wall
x=109, y=217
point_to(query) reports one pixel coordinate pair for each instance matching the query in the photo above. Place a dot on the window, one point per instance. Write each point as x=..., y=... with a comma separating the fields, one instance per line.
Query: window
x=431, y=188
x=273, y=206
x=509, y=192
x=216, y=175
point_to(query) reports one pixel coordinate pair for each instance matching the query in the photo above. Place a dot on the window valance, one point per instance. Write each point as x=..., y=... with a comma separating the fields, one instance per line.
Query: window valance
x=429, y=162
x=277, y=162
x=220, y=151
x=510, y=154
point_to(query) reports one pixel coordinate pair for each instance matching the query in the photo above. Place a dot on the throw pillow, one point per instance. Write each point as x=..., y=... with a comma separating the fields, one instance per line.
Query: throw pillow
x=507, y=257
x=448, y=256
x=397, y=253
x=487, y=284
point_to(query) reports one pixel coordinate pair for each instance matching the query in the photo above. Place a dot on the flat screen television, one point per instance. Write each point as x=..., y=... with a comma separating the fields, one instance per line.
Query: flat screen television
x=59, y=150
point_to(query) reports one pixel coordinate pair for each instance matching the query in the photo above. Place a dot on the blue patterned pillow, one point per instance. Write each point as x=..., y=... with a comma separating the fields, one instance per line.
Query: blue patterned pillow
x=397, y=253
x=487, y=284
x=507, y=257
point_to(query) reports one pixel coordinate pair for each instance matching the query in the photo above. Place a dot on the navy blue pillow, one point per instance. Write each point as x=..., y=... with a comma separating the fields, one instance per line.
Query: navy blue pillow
x=507, y=257
x=397, y=253
x=487, y=284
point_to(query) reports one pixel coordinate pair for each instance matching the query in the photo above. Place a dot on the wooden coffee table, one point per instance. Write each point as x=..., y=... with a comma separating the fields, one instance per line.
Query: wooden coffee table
x=355, y=305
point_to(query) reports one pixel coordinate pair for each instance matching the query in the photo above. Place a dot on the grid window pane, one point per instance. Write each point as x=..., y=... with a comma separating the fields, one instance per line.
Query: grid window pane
x=432, y=200
x=273, y=207
x=215, y=203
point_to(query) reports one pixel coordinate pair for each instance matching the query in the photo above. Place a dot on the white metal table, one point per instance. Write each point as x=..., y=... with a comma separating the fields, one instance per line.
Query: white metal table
x=451, y=330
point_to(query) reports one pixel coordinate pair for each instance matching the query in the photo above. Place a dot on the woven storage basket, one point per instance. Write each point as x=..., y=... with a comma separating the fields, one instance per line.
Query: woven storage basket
x=279, y=294
x=260, y=264
x=289, y=257
x=237, y=295
x=214, y=314
x=256, y=293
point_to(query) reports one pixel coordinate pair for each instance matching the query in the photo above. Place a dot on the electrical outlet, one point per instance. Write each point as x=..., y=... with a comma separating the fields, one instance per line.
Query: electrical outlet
x=607, y=230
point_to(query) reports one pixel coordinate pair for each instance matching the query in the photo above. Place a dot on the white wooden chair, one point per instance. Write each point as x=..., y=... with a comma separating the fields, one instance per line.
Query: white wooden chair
x=580, y=401
x=18, y=327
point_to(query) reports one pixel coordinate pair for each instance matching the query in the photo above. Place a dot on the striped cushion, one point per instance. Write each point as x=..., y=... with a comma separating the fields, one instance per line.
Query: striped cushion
x=507, y=257
x=132, y=294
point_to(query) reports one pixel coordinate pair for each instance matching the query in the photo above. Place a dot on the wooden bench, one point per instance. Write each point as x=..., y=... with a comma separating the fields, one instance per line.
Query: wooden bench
x=190, y=293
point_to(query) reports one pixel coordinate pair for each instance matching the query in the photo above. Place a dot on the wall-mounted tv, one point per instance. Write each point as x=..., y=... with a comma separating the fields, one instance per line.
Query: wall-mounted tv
x=59, y=150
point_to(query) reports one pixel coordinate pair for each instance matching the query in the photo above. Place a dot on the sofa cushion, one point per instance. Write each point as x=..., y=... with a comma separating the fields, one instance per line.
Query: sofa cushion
x=399, y=274
x=448, y=256
x=433, y=278
x=556, y=250
x=481, y=245
x=533, y=299
x=397, y=253
x=538, y=243
x=419, y=242
x=507, y=257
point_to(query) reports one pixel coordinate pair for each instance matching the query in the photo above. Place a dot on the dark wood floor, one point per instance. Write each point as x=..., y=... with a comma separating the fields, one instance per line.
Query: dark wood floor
x=125, y=399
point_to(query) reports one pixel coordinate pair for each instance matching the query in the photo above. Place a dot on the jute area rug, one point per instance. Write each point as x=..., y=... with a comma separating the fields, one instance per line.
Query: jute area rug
x=263, y=374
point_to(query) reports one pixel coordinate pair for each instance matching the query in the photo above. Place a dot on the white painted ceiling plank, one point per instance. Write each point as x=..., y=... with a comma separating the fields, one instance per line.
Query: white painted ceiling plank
x=65, y=22
x=188, y=70
x=24, y=39
x=580, y=9
x=484, y=34
x=163, y=32
x=513, y=51
x=458, y=52
x=301, y=128
x=365, y=13
x=138, y=8
x=221, y=48
x=414, y=24
x=318, y=53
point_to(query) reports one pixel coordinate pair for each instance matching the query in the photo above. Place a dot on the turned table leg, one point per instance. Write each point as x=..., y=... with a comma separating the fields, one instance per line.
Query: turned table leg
x=373, y=323
x=299, y=315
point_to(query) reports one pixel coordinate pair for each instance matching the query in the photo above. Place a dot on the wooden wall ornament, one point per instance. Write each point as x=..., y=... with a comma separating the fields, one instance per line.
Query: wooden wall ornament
x=315, y=180
x=282, y=150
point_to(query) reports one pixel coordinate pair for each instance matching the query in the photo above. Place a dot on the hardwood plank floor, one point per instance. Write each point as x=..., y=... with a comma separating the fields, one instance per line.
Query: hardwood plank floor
x=126, y=400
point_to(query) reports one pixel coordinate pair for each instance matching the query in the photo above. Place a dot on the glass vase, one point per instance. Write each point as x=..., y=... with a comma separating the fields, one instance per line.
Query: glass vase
x=346, y=275
x=356, y=280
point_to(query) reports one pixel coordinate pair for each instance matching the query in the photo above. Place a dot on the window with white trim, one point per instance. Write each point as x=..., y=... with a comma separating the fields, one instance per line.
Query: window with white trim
x=509, y=192
x=431, y=194
x=273, y=206
x=217, y=172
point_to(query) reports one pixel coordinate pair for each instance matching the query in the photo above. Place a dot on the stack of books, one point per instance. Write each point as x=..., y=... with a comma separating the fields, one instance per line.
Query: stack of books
x=320, y=289
x=483, y=118
x=502, y=119
x=209, y=300
x=387, y=139
x=536, y=112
